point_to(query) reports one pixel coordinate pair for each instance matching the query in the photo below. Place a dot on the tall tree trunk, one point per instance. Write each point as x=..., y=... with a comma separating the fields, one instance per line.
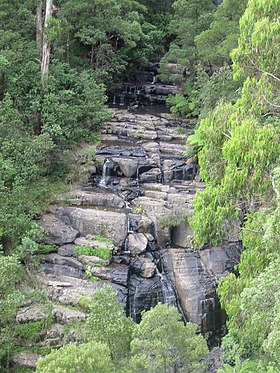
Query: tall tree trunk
x=46, y=44
x=39, y=28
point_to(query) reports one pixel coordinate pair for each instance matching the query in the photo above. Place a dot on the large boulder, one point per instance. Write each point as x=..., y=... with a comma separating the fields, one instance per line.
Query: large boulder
x=25, y=359
x=56, y=232
x=31, y=313
x=65, y=315
x=137, y=243
x=196, y=288
x=144, y=267
x=90, y=221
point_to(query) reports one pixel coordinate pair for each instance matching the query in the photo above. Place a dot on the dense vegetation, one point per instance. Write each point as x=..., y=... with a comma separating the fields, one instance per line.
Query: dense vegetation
x=229, y=76
x=114, y=343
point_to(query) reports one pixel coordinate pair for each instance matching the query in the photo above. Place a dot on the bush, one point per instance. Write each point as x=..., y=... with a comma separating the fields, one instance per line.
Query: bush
x=101, y=252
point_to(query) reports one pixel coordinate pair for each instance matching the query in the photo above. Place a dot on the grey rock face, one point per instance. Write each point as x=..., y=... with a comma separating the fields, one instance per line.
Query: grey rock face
x=141, y=193
x=56, y=232
x=144, y=267
x=25, y=359
x=31, y=314
x=91, y=221
x=137, y=243
x=64, y=315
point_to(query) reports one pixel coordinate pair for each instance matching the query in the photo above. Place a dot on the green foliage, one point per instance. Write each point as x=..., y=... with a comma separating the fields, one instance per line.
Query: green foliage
x=215, y=44
x=101, y=252
x=108, y=324
x=139, y=210
x=84, y=358
x=239, y=163
x=172, y=220
x=30, y=330
x=162, y=342
x=181, y=106
x=89, y=274
x=190, y=18
x=11, y=273
x=102, y=239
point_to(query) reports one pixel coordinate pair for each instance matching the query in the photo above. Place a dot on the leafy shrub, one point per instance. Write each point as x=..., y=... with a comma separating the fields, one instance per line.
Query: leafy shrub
x=101, y=252
x=102, y=239
x=29, y=330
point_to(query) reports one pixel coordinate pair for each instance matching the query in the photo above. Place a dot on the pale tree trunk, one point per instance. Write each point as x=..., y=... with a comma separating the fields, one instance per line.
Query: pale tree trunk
x=46, y=44
x=39, y=28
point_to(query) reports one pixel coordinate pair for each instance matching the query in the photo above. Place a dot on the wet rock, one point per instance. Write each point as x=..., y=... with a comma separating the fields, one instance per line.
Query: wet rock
x=144, y=267
x=31, y=314
x=221, y=260
x=65, y=315
x=143, y=295
x=140, y=223
x=196, y=288
x=136, y=243
x=56, y=232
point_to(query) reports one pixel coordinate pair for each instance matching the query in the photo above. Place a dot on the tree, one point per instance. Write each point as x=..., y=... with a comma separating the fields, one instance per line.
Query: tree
x=73, y=358
x=190, y=18
x=11, y=273
x=215, y=44
x=46, y=42
x=108, y=324
x=162, y=342
x=239, y=162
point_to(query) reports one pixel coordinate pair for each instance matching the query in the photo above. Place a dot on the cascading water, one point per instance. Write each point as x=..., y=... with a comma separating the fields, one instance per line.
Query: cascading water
x=105, y=175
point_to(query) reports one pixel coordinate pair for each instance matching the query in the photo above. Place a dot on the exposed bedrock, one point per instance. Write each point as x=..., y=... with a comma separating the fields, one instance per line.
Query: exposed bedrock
x=136, y=205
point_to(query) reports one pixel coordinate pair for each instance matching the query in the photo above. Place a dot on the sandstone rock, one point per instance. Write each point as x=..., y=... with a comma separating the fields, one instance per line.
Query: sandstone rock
x=25, y=359
x=83, y=241
x=140, y=223
x=54, y=337
x=56, y=232
x=65, y=315
x=66, y=250
x=91, y=260
x=66, y=290
x=221, y=260
x=127, y=166
x=144, y=267
x=137, y=243
x=196, y=289
x=60, y=260
x=152, y=176
x=91, y=198
x=96, y=222
x=31, y=313
x=181, y=235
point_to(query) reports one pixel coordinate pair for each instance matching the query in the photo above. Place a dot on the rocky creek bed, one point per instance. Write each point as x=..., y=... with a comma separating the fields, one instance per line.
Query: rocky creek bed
x=139, y=196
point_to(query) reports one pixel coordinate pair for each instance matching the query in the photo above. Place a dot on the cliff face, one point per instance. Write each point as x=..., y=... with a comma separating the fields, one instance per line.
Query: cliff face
x=139, y=197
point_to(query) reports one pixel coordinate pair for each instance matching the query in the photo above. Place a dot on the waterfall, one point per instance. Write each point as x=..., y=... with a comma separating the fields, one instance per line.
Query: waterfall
x=122, y=99
x=105, y=175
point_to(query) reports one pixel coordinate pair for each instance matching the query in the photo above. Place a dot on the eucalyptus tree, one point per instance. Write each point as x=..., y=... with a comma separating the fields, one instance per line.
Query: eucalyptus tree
x=239, y=163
